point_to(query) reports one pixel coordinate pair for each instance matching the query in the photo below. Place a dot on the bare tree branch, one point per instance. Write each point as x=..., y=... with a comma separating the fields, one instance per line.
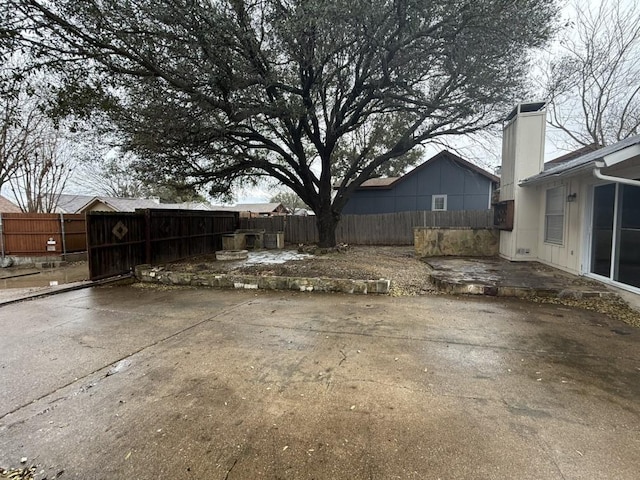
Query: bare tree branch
x=593, y=86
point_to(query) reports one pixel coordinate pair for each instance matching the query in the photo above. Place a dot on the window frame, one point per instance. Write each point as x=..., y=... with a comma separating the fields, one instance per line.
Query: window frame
x=433, y=203
x=557, y=214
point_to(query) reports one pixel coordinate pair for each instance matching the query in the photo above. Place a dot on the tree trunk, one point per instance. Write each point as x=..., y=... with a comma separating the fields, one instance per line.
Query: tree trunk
x=327, y=223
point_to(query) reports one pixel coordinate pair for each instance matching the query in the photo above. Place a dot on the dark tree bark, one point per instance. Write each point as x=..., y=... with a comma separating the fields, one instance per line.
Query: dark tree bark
x=327, y=222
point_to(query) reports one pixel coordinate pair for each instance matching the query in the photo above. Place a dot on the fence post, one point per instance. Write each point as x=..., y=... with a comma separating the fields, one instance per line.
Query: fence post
x=62, y=234
x=1, y=235
x=147, y=242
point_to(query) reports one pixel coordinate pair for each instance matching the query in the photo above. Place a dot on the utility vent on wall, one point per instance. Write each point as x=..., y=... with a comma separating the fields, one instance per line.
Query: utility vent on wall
x=523, y=251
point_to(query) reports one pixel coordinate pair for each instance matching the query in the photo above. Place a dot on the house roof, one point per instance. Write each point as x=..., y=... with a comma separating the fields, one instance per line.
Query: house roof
x=185, y=206
x=73, y=203
x=78, y=203
x=582, y=162
x=255, y=207
x=389, y=182
x=379, y=182
x=128, y=204
x=571, y=155
x=7, y=206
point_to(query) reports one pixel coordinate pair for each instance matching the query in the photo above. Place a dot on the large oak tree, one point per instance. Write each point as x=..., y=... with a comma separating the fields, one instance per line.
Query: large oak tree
x=313, y=93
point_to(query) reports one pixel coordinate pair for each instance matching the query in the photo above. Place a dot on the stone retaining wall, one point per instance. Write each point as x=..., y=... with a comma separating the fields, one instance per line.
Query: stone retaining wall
x=149, y=274
x=461, y=242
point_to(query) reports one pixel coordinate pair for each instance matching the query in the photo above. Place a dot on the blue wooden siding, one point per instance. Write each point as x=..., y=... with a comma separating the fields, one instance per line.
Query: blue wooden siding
x=465, y=190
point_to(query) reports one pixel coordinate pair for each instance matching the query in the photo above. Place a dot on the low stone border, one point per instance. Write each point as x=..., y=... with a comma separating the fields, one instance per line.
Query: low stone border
x=149, y=274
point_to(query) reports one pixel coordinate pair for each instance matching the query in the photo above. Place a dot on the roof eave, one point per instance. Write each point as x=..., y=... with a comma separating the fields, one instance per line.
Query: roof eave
x=538, y=179
x=376, y=187
x=621, y=155
x=608, y=160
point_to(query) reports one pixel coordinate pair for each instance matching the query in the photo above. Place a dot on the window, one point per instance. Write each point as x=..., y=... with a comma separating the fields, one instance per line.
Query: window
x=554, y=216
x=438, y=202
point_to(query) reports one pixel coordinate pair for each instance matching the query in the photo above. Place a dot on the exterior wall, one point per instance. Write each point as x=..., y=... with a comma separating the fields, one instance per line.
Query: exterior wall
x=99, y=207
x=465, y=190
x=522, y=157
x=567, y=256
x=574, y=255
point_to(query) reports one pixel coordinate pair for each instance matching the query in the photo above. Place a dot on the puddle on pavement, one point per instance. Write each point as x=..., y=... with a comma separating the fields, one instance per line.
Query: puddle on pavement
x=43, y=277
x=273, y=257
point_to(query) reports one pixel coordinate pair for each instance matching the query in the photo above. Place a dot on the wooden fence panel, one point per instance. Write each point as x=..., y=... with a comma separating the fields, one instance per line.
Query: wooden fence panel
x=176, y=234
x=75, y=232
x=116, y=243
x=26, y=234
x=381, y=229
x=119, y=241
x=271, y=224
x=301, y=230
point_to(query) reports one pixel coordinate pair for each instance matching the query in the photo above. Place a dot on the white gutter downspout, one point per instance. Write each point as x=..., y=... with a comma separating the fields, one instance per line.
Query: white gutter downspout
x=608, y=178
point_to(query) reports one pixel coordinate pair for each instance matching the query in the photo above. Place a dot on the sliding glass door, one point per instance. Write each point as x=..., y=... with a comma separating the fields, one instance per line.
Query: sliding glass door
x=602, y=230
x=628, y=270
x=615, y=238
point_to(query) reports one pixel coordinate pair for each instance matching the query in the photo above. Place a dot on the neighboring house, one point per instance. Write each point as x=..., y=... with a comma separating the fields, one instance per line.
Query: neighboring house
x=89, y=203
x=7, y=206
x=252, y=210
x=579, y=213
x=444, y=182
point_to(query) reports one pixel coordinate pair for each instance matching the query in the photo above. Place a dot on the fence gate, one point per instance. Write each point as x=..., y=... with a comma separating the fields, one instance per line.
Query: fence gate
x=117, y=242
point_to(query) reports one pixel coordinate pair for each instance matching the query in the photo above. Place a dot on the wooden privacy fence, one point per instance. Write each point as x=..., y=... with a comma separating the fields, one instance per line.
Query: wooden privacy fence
x=27, y=234
x=117, y=241
x=382, y=229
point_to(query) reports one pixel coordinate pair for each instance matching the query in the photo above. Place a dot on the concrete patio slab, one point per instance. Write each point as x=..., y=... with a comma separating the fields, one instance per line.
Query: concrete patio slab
x=499, y=277
x=164, y=382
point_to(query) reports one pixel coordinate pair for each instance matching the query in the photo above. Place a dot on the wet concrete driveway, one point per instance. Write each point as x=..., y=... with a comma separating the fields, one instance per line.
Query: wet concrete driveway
x=138, y=383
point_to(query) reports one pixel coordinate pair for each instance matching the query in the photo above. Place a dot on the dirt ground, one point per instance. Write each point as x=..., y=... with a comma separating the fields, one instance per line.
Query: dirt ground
x=409, y=276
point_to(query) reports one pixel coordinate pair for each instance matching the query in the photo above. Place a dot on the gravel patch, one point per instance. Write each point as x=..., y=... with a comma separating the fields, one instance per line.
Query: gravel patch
x=612, y=306
x=408, y=275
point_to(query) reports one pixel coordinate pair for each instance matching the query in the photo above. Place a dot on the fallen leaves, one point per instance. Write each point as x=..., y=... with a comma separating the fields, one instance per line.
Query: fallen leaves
x=26, y=473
